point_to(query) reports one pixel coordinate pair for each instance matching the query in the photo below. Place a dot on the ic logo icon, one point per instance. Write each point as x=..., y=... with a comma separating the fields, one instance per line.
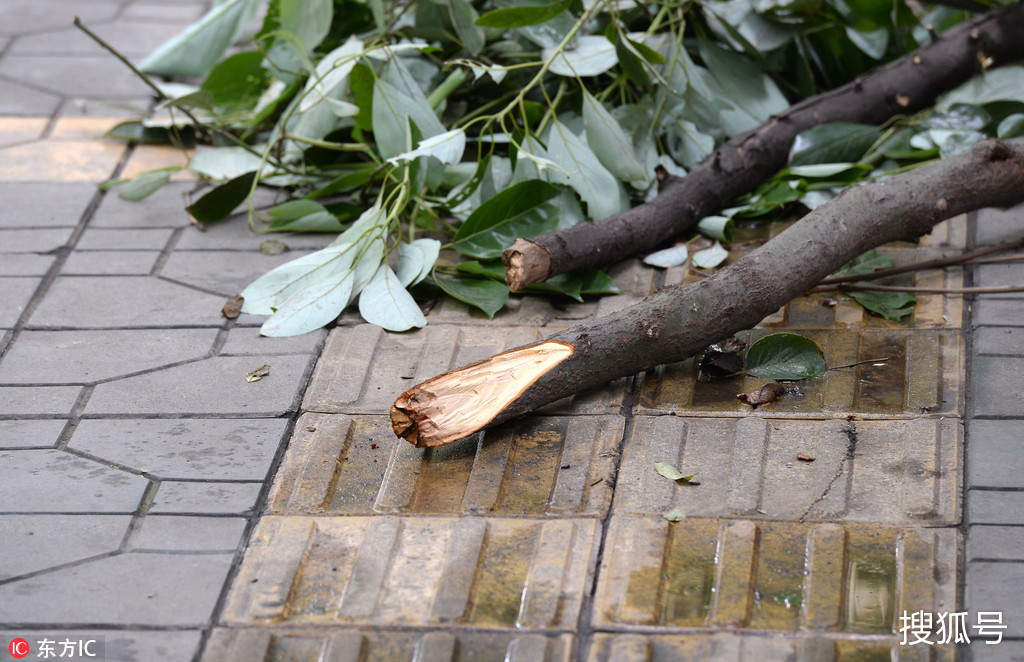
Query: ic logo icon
x=18, y=648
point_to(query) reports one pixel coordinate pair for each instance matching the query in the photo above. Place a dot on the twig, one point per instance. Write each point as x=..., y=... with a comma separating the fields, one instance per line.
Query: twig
x=930, y=264
x=851, y=365
x=919, y=290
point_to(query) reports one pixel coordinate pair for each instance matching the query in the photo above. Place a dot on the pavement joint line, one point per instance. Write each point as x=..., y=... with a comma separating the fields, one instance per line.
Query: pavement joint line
x=62, y=566
x=165, y=252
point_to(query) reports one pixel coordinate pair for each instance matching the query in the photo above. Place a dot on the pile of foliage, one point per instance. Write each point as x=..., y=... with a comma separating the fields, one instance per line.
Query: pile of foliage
x=414, y=126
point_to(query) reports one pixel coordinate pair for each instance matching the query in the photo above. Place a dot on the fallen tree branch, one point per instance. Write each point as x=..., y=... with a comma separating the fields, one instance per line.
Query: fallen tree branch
x=1001, y=289
x=677, y=322
x=905, y=85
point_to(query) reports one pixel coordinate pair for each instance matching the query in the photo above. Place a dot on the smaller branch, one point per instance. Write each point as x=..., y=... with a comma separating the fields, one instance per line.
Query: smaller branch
x=929, y=264
x=113, y=51
x=920, y=290
x=853, y=365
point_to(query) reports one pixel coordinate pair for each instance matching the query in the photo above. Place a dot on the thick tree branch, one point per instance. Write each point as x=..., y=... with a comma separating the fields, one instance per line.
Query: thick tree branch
x=906, y=85
x=677, y=322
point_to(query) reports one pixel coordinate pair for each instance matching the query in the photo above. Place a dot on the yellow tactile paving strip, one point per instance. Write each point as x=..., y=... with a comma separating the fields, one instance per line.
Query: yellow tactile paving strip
x=544, y=539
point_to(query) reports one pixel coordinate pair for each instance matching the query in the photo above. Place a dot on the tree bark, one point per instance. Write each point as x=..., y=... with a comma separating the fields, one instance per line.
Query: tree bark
x=906, y=85
x=677, y=322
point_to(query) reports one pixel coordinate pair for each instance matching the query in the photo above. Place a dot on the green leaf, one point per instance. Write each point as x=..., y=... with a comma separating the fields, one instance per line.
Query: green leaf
x=668, y=257
x=871, y=42
x=465, y=21
x=591, y=55
x=417, y=259
x=609, y=141
x=959, y=116
x=294, y=209
x=237, y=81
x=393, y=109
x=519, y=211
x=717, y=227
x=584, y=172
x=487, y=295
x=648, y=53
x=668, y=471
x=144, y=185
x=823, y=170
x=197, y=49
x=998, y=84
x=892, y=306
x=674, y=515
x=1011, y=127
x=834, y=142
x=385, y=302
x=595, y=281
x=320, y=221
x=785, y=356
x=519, y=17
x=564, y=284
x=224, y=162
x=221, y=201
x=331, y=74
x=709, y=257
x=308, y=20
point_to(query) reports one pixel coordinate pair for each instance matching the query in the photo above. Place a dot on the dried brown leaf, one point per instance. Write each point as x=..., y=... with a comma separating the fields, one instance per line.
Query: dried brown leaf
x=258, y=374
x=233, y=308
x=768, y=393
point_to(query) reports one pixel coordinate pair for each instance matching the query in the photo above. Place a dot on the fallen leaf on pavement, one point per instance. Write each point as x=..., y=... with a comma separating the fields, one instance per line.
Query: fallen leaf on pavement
x=768, y=393
x=258, y=374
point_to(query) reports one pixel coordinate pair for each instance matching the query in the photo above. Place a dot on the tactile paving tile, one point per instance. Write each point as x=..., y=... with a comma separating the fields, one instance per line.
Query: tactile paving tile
x=893, y=471
x=771, y=576
x=752, y=648
x=555, y=465
x=352, y=645
x=364, y=368
x=415, y=571
x=921, y=376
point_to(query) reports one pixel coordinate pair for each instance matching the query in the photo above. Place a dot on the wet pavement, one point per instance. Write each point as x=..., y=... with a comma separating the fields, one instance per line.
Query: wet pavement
x=154, y=499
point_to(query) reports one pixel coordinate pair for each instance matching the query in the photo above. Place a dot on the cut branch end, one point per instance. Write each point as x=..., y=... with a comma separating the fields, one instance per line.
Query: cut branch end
x=526, y=262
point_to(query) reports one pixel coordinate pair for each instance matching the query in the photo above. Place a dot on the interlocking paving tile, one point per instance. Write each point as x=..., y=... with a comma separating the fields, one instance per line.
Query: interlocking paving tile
x=922, y=375
x=363, y=368
x=556, y=466
x=25, y=264
x=771, y=576
x=29, y=433
x=30, y=400
x=225, y=272
x=353, y=645
x=897, y=471
x=207, y=498
x=169, y=589
x=21, y=129
x=995, y=507
x=142, y=302
x=18, y=99
x=22, y=240
x=136, y=39
x=82, y=356
x=59, y=161
x=121, y=645
x=997, y=225
x=188, y=533
x=19, y=17
x=37, y=542
x=418, y=571
x=124, y=239
x=163, y=209
x=82, y=128
x=14, y=296
x=207, y=448
x=212, y=386
x=1005, y=340
x=53, y=481
x=53, y=204
x=752, y=648
x=998, y=312
x=987, y=542
x=98, y=77
x=995, y=587
x=243, y=340
x=995, y=453
x=110, y=263
x=990, y=393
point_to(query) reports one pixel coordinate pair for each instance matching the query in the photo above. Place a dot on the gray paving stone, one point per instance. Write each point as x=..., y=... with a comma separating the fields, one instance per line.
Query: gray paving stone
x=124, y=239
x=127, y=107
x=995, y=507
x=18, y=99
x=33, y=241
x=30, y=400
x=43, y=204
x=224, y=272
x=25, y=264
x=122, y=645
x=247, y=340
x=996, y=378
x=995, y=448
x=29, y=433
x=982, y=651
x=210, y=498
x=167, y=590
x=38, y=542
x=986, y=542
x=82, y=356
x=163, y=12
x=187, y=533
x=233, y=234
x=997, y=225
x=14, y=296
x=110, y=263
x=211, y=386
x=52, y=481
x=225, y=449
x=1001, y=275
x=999, y=340
x=136, y=39
x=98, y=77
x=996, y=587
x=85, y=302
x=163, y=209
x=18, y=17
x=991, y=311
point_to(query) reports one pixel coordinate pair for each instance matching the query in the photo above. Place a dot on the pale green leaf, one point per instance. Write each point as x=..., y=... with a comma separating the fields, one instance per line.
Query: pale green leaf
x=446, y=147
x=273, y=288
x=224, y=162
x=674, y=515
x=385, y=302
x=591, y=55
x=716, y=227
x=331, y=73
x=820, y=169
x=195, y=51
x=464, y=20
x=1000, y=83
x=872, y=42
x=308, y=20
x=1012, y=126
x=582, y=170
x=144, y=185
x=669, y=257
x=709, y=257
x=311, y=308
x=609, y=141
x=522, y=210
x=668, y=471
x=392, y=111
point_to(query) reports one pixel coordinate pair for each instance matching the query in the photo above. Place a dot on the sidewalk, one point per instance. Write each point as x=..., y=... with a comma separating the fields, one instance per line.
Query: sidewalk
x=153, y=497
